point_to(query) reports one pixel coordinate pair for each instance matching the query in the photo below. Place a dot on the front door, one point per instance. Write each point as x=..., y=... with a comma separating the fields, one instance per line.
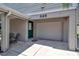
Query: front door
x=30, y=29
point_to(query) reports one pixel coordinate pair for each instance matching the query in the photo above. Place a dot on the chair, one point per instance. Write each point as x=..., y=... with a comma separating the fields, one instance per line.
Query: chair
x=12, y=37
x=17, y=37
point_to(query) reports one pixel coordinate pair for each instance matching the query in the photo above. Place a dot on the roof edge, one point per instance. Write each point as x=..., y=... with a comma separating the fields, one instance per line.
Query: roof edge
x=14, y=12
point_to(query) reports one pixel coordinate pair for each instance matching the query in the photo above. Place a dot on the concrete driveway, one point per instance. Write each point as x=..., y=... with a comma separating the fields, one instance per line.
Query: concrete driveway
x=40, y=48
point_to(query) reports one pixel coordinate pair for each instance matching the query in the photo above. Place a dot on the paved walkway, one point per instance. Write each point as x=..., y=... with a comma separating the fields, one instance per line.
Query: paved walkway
x=40, y=48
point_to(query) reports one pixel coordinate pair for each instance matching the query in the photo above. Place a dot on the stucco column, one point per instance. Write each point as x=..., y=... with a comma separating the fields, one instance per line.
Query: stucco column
x=5, y=32
x=72, y=32
x=34, y=29
x=26, y=36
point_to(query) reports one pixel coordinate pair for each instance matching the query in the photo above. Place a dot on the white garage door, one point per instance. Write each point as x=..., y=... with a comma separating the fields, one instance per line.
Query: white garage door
x=49, y=30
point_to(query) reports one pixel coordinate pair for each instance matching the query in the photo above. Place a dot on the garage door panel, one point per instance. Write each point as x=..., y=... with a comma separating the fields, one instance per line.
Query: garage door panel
x=49, y=30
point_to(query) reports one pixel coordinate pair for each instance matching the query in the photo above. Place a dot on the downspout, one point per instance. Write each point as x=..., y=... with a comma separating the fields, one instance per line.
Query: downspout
x=8, y=13
x=75, y=31
x=8, y=27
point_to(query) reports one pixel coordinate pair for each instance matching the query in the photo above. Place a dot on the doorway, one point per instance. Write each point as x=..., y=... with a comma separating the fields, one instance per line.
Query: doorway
x=30, y=29
x=55, y=29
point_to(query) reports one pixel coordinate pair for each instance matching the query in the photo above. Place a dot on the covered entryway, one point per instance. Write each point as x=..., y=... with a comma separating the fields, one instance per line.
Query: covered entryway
x=52, y=29
x=19, y=26
x=11, y=21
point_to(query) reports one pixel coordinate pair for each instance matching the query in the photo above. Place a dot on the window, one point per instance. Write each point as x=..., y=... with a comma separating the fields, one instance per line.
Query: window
x=30, y=26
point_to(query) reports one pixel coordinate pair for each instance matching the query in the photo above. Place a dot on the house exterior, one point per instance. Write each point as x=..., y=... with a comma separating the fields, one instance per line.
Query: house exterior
x=59, y=24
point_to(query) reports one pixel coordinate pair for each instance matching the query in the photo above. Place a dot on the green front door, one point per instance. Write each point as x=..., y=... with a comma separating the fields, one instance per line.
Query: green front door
x=30, y=29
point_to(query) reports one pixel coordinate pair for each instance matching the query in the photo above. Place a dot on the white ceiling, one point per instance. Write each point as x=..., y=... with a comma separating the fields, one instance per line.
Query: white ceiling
x=27, y=8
